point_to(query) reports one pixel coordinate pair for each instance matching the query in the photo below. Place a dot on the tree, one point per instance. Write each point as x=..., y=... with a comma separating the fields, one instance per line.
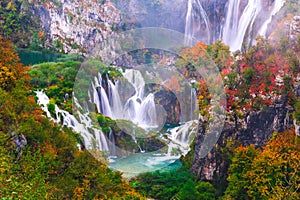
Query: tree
x=249, y=75
x=11, y=70
x=237, y=179
x=275, y=172
x=188, y=191
x=272, y=173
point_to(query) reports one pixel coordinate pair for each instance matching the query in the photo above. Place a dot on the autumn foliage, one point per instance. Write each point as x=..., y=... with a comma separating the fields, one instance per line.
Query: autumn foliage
x=272, y=173
x=11, y=70
x=50, y=165
x=253, y=79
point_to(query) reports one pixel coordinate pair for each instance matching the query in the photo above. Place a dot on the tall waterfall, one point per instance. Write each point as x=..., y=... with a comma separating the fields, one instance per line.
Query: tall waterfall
x=232, y=21
x=245, y=23
x=138, y=108
x=278, y=4
x=240, y=21
x=195, y=18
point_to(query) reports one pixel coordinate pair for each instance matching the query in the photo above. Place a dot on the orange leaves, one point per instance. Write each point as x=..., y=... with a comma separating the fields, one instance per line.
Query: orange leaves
x=78, y=193
x=41, y=34
x=194, y=53
x=11, y=70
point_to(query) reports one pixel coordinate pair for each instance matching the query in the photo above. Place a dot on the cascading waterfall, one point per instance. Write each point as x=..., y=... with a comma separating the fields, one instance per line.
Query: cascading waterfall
x=138, y=108
x=278, y=4
x=96, y=139
x=245, y=23
x=232, y=21
x=238, y=24
x=100, y=98
x=115, y=101
x=195, y=17
x=180, y=137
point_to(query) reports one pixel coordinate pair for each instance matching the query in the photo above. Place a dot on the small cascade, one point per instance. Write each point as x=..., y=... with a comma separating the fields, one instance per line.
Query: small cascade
x=135, y=140
x=112, y=144
x=43, y=100
x=179, y=138
x=193, y=103
x=138, y=108
x=245, y=23
x=105, y=106
x=297, y=128
x=101, y=141
x=100, y=98
x=93, y=140
x=196, y=17
x=181, y=134
x=278, y=4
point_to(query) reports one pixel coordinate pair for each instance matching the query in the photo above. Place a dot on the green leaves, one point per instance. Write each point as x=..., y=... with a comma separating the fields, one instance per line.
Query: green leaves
x=249, y=75
x=177, y=184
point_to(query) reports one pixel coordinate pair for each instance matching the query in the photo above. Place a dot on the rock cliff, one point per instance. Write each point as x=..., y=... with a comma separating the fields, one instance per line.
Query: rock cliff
x=77, y=25
x=255, y=128
x=74, y=26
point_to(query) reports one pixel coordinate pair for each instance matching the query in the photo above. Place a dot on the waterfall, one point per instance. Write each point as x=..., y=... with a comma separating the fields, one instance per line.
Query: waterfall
x=147, y=113
x=297, y=128
x=278, y=4
x=245, y=23
x=179, y=138
x=193, y=103
x=138, y=108
x=195, y=17
x=231, y=22
x=97, y=140
x=181, y=134
x=112, y=144
x=115, y=102
x=135, y=141
x=238, y=24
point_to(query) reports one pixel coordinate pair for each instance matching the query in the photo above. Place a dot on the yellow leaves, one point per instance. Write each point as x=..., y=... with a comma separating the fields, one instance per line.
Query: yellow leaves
x=10, y=6
x=78, y=193
x=275, y=170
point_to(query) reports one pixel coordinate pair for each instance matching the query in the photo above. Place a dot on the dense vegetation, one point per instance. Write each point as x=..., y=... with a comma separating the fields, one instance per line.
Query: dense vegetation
x=270, y=173
x=176, y=184
x=42, y=160
x=51, y=166
x=39, y=159
x=19, y=25
x=253, y=78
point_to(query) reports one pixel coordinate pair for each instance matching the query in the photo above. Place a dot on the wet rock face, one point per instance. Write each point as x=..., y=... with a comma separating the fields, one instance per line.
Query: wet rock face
x=171, y=106
x=256, y=128
x=76, y=26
